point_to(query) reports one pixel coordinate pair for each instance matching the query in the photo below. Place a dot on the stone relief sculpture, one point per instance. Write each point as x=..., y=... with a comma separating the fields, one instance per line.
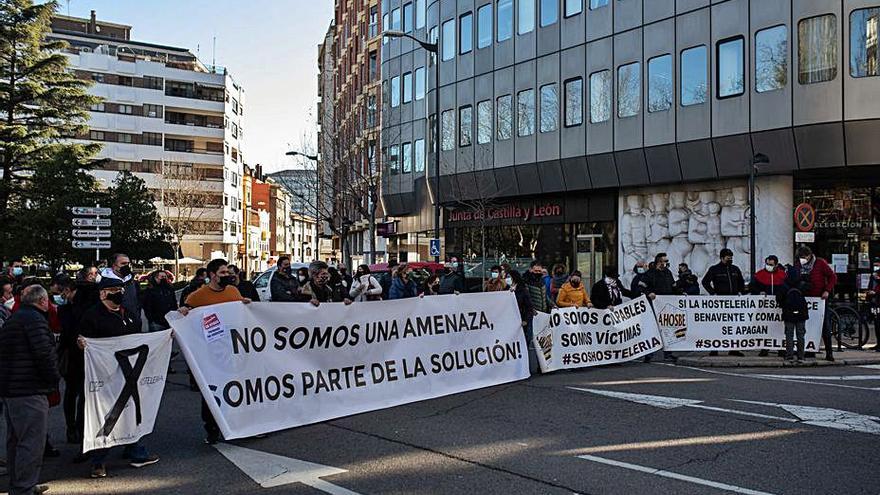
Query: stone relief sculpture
x=633, y=230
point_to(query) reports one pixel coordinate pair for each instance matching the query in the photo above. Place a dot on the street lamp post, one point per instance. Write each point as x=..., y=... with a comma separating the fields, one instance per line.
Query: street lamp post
x=757, y=160
x=435, y=49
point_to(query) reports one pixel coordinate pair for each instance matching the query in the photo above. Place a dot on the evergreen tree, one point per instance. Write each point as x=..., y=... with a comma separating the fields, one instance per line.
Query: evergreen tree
x=40, y=102
x=137, y=227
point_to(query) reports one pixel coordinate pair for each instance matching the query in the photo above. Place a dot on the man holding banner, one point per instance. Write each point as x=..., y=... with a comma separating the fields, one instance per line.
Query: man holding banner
x=107, y=320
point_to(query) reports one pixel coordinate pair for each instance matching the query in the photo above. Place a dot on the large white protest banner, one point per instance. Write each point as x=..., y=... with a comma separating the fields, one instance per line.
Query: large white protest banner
x=577, y=338
x=125, y=378
x=268, y=366
x=730, y=323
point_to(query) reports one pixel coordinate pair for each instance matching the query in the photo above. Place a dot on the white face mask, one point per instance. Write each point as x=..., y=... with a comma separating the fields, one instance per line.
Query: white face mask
x=509, y=281
x=804, y=261
x=9, y=303
x=609, y=280
x=770, y=268
x=302, y=278
x=98, y=278
x=495, y=274
x=640, y=269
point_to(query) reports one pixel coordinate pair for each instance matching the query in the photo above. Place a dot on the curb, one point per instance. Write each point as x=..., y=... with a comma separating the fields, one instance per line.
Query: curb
x=726, y=362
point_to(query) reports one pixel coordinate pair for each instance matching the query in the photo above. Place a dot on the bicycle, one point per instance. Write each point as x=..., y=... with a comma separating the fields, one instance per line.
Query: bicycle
x=849, y=326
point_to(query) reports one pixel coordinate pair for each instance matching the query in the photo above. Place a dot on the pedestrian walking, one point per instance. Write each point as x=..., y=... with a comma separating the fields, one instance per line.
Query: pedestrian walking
x=158, y=300
x=110, y=318
x=28, y=373
x=724, y=279
x=795, y=313
x=402, y=286
x=495, y=282
x=120, y=269
x=609, y=291
x=245, y=287
x=821, y=279
x=220, y=289
x=284, y=287
x=364, y=286
x=573, y=294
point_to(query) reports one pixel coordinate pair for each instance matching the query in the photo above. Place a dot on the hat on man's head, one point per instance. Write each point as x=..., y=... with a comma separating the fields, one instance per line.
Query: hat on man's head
x=109, y=283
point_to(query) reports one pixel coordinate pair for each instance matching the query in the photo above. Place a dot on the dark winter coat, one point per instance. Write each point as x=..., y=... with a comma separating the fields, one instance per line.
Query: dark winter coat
x=28, y=362
x=639, y=283
x=193, y=285
x=791, y=298
x=158, y=302
x=822, y=279
x=71, y=314
x=602, y=296
x=247, y=289
x=687, y=284
x=660, y=282
x=524, y=303
x=283, y=288
x=537, y=291
x=724, y=280
x=451, y=283
x=402, y=290
x=100, y=322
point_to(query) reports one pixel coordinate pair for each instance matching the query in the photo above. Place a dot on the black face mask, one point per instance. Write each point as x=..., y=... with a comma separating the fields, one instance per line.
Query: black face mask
x=115, y=297
x=125, y=270
x=227, y=280
x=287, y=271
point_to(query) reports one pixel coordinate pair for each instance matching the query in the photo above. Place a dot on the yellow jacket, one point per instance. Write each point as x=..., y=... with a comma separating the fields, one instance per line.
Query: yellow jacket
x=572, y=297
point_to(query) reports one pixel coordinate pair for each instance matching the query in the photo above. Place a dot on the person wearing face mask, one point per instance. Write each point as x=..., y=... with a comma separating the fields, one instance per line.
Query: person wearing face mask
x=318, y=290
x=284, y=286
x=108, y=319
x=873, y=299
x=534, y=282
x=158, y=300
x=387, y=277
x=245, y=287
x=365, y=287
x=302, y=276
x=495, y=282
x=558, y=278
x=7, y=299
x=200, y=279
x=28, y=373
x=431, y=285
x=658, y=281
x=638, y=284
x=573, y=294
x=609, y=291
x=120, y=269
x=220, y=289
x=819, y=280
x=452, y=282
x=725, y=278
x=402, y=287
x=15, y=271
x=687, y=282
x=769, y=281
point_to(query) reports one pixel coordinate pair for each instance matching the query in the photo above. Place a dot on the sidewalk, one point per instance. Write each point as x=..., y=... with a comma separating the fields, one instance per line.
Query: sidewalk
x=845, y=357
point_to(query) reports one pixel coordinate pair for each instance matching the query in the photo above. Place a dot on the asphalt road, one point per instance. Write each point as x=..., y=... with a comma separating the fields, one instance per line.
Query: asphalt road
x=528, y=437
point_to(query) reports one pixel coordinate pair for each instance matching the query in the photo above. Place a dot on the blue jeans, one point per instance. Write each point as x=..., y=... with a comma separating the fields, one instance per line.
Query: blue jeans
x=134, y=452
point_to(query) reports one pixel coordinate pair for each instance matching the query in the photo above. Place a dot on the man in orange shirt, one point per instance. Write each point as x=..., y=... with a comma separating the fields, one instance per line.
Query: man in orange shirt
x=220, y=289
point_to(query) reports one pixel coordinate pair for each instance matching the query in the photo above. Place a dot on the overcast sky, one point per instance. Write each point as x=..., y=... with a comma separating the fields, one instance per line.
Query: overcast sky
x=269, y=46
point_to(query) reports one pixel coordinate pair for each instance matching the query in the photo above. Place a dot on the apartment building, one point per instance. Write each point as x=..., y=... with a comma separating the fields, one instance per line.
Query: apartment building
x=170, y=120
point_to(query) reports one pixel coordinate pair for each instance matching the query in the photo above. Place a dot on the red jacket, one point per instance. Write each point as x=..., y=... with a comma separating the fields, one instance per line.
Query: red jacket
x=822, y=279
x=768, y=282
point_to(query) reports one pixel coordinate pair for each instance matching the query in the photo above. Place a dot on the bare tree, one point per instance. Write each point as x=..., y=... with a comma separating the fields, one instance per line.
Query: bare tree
x=186, y=205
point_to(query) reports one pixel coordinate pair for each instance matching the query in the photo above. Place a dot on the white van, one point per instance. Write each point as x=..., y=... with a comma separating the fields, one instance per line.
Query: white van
x=262, y=282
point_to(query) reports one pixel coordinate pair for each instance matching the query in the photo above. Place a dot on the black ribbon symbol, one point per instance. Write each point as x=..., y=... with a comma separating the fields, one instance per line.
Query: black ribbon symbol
x=130, y=390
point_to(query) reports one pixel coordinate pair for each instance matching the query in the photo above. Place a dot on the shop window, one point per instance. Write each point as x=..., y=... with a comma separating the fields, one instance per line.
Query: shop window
x=574, y=102
x=466, y=33
x=573, y=7
x=525, y=113
x=448, y=40
x=660, y=83
x=484, y=26
x=817, y=49
x=629, y=90
x=525, y=17
x=549, y=12
x=484, y=122
x=600, y=96
x=730, y=76
x=447, y=130
x=693, y=76
x=771, y=59
x=549, y=108
x=504, y=117
x=863, y=42
x=505, y=20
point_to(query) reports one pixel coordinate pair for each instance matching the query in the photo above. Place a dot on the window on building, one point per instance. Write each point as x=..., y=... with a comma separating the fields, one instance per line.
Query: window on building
x=386, y=26
x=465, y=126
x=660, y=83
x=151, y=138
x=374, y=65
x=771, y=59
x=153, y=111
x=420, y=83
x=693, y=76
x=525, y=17
x=484, y=122
x=395, y=91
x=629, y=90
x=864, y=25
x=407, y=87
x=125, y=81
x=123, y=138
x=371, y=111
x=731, y=73
x=484, y=26
x=574, y=102
x=504, y=117
x=395, y=20
x=447, y=130
x=126, y=109
x=96, y=135
x=817, y=49
x=600, y=96
x=407, y=17
x=596, y=4
x=505, y=20
x=374, y=20
x=394, y=159
x=151, y=82
x=97, y=77
x=406, y=151
x=448, y=40
x=525, y=113
x=573, y=7
x=419, y=156
x=97, y=107
x=466, y=33
x=420, y=13
x=549, y=12
x=432, y=38
x=549, y=108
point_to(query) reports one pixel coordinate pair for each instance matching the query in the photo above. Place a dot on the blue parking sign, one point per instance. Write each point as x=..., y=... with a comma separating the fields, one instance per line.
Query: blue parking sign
x=435, y=247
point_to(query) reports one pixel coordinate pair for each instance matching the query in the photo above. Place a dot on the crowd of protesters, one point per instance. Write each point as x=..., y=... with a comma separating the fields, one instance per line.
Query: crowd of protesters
x=43, y=332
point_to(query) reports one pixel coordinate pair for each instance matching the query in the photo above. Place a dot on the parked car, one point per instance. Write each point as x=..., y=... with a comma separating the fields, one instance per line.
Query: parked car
x=263, y=280
x=421, y=270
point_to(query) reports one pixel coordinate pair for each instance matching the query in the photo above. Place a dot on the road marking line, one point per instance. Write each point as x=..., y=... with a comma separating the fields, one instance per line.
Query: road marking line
x=743, y=413
x=645, y=381
x=671, y=475
x=760, y=377
x=683, y=442
x=842, y=378
x=871, y=366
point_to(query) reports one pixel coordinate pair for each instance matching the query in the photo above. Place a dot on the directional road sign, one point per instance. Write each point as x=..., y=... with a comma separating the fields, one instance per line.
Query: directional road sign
x=91, y=244
x=91, y=211
x=91, y=222
x=435, y=247
x=93, y=234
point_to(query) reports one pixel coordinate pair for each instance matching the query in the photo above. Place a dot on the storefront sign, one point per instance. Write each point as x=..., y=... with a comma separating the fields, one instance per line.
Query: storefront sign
x=804, y=217
x=805, y=237
x=386, y=229
x=522, y=212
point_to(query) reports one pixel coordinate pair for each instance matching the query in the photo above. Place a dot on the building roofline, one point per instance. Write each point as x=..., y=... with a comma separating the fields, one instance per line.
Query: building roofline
x=119, y=41
x=87, y=20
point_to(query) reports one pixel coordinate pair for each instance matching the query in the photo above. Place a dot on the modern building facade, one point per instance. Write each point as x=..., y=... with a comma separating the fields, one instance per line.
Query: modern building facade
x=600, y=132
x=170, y=120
